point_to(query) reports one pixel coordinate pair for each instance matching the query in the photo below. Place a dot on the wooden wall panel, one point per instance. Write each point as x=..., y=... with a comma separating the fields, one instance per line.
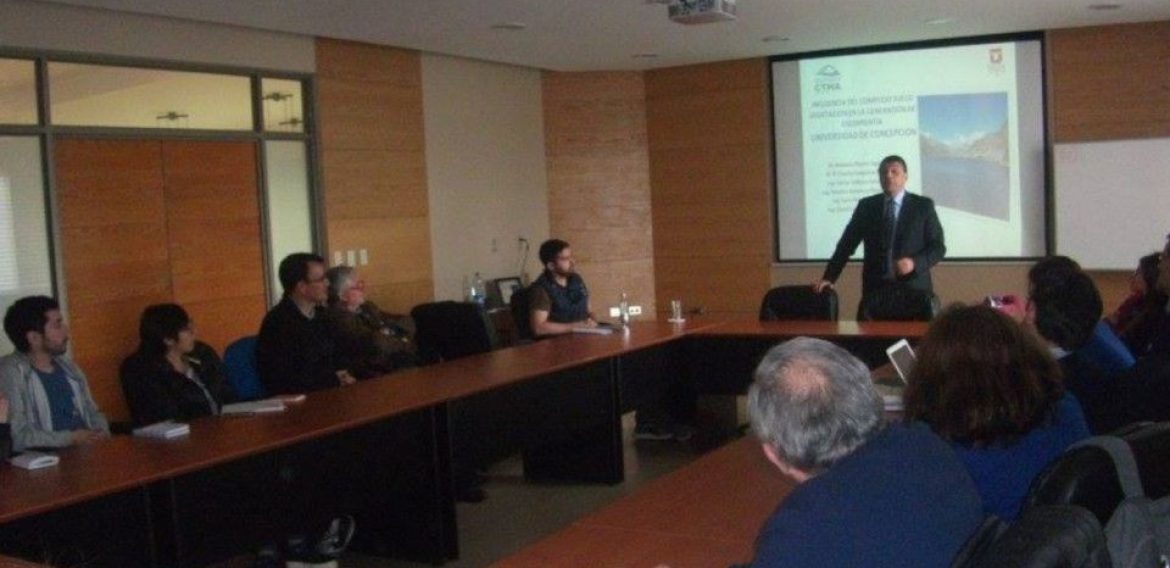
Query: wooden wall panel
x=374, y=168
x=1110, y=82
x=147, y=222
x=113, y=239
x=214, y=236
x=711, y=184
x=599, y=181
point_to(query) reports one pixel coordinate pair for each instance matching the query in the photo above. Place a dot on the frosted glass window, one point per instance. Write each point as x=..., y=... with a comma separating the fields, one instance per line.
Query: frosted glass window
x=25, y=268
x=284, y=107
x=100, y=95
x=18, y=92
x=290, y=211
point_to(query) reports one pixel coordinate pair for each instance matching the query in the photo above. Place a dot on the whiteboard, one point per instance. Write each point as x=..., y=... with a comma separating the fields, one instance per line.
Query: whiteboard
x=1112, y=201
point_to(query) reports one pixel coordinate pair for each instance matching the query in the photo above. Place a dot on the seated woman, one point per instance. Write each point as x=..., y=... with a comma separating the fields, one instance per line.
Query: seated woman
x=990, y=387
x=368, y=341
x=1137, y=318
x=172, y=376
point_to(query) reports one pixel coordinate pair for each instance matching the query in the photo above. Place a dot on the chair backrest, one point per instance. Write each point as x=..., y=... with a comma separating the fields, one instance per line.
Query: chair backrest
x=799, y=303
x=239, y=363
x=900, y=303
x=1056, y=536
x=1087, y=476
x=1083, y=476
x=521, y=305
x=979, y=544
x=450, y=330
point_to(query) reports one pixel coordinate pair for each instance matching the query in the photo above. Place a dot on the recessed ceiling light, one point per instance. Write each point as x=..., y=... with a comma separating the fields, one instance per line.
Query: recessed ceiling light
x=939, y=21
x=1105, y=6
x=645, y=55
x=773, y=39
x=510, y=26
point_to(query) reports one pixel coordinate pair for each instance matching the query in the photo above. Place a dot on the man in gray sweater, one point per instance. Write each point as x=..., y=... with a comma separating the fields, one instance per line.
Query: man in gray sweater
x=50, y=405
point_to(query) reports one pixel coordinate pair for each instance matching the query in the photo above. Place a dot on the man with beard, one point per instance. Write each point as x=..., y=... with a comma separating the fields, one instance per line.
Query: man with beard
x=50, y=405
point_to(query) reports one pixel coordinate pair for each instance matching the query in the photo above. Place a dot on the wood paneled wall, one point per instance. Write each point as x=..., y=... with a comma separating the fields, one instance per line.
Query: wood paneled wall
x=599, y=182
x=369, y=109
x=711, y=184
x=146, y=222
x=1110, y=82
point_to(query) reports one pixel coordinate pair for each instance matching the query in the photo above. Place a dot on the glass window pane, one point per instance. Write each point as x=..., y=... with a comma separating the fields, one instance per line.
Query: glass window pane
x=284, y=108
x=98, y=95
x=24, y=233
x=18, y=92
x=290, y=212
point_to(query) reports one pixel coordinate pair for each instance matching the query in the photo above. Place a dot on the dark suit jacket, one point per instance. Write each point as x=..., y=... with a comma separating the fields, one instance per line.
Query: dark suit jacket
x=919, y=236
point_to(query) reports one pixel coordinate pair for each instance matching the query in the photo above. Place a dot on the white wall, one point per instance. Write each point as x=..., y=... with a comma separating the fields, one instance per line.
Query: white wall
x=35, y=25
x=486, y=176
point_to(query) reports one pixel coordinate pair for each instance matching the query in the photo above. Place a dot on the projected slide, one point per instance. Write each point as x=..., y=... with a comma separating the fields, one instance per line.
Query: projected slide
x=967, y=119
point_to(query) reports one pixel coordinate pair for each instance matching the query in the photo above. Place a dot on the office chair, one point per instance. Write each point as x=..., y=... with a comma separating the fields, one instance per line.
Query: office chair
x=1055, y=536
x=449, y=330
x=520, y=307
x=1087, y=476
x=899, y=303
x=799, y=303
x=239, y=362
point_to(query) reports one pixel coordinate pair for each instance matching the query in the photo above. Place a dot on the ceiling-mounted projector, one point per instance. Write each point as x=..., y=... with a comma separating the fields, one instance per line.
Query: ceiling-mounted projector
x=701, y=11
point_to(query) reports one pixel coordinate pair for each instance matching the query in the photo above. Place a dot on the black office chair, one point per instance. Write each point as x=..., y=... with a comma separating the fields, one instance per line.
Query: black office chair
x=1056, y=536
x=799, y=303
x=1087, y=476
x=899, y=303
x=449, y=330
x=979, y=544
x=520, y=306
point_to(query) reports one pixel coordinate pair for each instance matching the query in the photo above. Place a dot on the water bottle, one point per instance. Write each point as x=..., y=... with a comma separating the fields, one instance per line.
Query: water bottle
x=477, y=292
x=624, y=309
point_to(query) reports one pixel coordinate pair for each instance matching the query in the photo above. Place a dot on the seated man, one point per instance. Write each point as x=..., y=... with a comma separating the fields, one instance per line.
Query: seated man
x=869, y=494
x=369, y=343
x=1064, y=307
x=559, y=302
x=294, y=353
x=50, y=405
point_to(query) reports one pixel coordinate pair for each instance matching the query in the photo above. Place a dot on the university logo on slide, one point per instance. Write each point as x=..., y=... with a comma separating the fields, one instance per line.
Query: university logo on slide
x=995, y=60
x=828, y=79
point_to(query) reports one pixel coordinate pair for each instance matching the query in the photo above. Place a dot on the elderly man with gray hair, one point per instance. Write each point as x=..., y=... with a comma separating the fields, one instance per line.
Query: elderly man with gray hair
x=868, y=493
x=369, y=341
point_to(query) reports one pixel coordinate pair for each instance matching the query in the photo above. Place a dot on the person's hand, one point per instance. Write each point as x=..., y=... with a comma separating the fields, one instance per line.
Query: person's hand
x=820, y=285
x=3, y=409
x=904, y=266
x=87, y=436
x=345, y=378
x=589, y=322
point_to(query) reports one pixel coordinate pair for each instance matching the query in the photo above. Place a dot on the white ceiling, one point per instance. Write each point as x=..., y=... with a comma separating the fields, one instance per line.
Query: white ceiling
x=580, y=35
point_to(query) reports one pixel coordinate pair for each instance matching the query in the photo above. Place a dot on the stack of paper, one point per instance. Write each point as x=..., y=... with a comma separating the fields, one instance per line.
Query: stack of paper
x=254, y=407
x=34, y=460
x=165, y=430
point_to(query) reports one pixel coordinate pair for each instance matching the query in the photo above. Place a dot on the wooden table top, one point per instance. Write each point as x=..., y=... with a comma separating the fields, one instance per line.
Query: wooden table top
x=705, y=514
x=824, y=329
x=124, y=462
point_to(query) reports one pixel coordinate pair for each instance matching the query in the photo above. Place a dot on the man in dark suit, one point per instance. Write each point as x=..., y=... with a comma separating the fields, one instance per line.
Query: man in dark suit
x=902, y=234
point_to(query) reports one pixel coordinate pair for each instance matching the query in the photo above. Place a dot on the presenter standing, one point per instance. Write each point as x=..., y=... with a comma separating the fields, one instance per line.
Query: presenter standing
x=902, y=234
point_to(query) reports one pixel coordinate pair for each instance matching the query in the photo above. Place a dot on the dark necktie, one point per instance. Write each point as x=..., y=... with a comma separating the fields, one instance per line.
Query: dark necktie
x=889, y=221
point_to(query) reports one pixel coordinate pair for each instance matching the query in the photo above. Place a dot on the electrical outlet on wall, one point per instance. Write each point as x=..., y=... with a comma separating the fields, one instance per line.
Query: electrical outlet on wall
x=615, y=312
x=635, y=310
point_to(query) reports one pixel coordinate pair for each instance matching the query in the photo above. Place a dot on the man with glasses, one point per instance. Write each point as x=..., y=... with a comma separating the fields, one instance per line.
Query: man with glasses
x=294, y=353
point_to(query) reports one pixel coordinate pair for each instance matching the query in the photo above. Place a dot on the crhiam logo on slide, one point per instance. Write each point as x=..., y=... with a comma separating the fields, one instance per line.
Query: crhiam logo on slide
x=828, y=80
x=995, y=60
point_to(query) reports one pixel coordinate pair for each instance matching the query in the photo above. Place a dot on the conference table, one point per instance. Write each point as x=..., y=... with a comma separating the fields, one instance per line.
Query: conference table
x=384, y=444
